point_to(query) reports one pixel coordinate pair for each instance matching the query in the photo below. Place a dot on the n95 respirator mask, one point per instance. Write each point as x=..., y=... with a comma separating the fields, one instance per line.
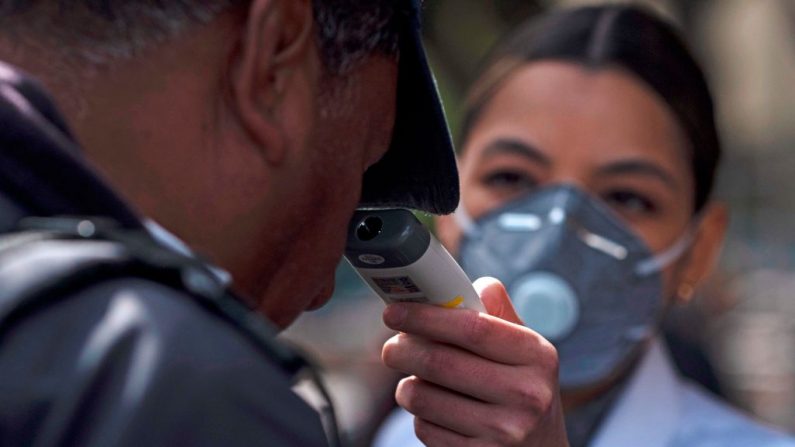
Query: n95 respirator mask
x=575, y=273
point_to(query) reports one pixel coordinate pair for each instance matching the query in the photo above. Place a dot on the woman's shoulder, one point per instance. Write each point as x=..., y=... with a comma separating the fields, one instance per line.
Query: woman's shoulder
x=708, y=421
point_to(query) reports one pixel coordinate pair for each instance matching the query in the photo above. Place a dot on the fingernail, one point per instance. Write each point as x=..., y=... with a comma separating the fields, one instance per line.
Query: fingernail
x=395, y=315
x=481, y=284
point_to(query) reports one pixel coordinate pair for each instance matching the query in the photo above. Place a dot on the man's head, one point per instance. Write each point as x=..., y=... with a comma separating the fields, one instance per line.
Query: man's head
x=242, y=126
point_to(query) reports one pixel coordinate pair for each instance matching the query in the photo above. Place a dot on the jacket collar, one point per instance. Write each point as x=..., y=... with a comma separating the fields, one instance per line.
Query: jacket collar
x=42, y=171
x=647, y=413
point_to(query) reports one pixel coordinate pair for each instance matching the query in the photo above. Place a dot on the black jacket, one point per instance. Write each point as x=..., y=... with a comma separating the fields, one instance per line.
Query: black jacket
x=124, y=361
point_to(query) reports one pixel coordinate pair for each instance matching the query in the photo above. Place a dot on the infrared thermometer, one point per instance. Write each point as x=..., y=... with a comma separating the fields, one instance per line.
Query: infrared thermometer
x=402, y=262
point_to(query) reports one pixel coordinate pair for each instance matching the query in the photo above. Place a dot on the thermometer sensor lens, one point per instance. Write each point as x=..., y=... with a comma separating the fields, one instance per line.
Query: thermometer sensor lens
x=369, y=228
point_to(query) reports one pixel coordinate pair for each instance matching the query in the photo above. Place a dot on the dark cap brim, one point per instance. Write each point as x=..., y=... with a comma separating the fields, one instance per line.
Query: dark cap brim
x=419, y=169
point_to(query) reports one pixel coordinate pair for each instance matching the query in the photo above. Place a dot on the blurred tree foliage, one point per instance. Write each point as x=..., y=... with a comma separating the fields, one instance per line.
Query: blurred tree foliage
x=459, y=33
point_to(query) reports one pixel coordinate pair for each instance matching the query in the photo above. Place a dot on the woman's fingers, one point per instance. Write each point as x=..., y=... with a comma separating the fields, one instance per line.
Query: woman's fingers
x=485, y=335
x=467, y=373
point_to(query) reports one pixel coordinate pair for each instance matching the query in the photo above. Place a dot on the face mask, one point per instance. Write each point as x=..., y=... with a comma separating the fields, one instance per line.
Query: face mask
x=575, y=273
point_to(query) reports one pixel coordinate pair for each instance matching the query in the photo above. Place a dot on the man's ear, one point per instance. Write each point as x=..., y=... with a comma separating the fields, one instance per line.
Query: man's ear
x=276, y=40
x=705, y=251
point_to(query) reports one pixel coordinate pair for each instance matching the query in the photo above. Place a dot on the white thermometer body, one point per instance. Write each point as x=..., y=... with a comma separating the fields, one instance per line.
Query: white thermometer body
x=402, y=262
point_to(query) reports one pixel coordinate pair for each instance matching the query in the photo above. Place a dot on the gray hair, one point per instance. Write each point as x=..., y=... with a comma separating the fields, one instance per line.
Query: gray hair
x=99, y=32
x=349, y=30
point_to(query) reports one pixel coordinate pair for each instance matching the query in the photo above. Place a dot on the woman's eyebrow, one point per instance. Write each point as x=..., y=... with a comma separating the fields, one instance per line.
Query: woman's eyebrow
x=516, y=147
x=640, y=167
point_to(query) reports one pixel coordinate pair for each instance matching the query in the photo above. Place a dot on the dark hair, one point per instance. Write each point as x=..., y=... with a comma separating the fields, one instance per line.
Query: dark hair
x=616, y=35
x=100, y=31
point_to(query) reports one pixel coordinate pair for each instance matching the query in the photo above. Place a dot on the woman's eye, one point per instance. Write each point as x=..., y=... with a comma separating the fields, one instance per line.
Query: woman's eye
x=513, y=180
x=630, y=202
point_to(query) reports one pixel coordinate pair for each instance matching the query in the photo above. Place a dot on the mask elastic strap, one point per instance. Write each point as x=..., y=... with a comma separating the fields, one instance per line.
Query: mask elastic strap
x=662, y=260
x=465, y=221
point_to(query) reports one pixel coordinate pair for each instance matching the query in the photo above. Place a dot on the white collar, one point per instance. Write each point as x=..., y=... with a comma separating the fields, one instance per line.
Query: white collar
x=647, y=412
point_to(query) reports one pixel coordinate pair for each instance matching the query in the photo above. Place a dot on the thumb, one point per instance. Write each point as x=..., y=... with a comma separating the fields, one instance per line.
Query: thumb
x=496, y=300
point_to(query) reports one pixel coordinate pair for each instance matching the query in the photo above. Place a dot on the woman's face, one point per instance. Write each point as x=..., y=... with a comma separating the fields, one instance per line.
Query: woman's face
x=601, y=130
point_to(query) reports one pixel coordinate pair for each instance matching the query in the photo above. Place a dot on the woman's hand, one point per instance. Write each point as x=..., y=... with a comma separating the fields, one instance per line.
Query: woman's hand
x=476, y=379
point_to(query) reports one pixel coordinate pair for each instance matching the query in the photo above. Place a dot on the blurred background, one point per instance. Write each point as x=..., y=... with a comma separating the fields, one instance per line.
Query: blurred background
x=745, y=318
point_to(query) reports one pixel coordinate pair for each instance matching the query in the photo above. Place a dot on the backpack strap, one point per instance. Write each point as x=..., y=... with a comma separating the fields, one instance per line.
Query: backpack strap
x=51, y=258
